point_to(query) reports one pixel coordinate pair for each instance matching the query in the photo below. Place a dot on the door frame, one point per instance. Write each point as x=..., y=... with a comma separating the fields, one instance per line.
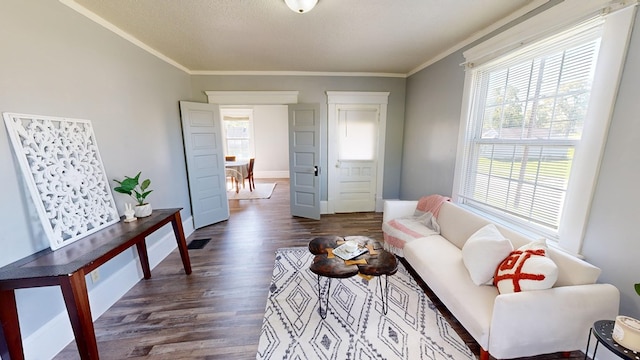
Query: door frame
x=350, y=98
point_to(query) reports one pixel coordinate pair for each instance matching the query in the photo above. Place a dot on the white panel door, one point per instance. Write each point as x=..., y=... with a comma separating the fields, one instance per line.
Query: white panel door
x=357, y=138
x=202, y=133
x=304, y=160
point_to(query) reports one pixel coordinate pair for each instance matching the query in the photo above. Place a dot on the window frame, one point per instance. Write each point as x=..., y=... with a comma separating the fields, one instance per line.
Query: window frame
x=616, y=32
x=239, y=113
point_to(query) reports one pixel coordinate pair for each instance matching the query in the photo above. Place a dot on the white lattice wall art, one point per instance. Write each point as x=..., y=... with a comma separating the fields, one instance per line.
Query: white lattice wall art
x=62, y=167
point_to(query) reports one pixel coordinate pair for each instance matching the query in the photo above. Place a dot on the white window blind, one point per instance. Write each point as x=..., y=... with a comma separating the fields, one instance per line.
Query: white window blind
x=537, y=104
x=526, y=120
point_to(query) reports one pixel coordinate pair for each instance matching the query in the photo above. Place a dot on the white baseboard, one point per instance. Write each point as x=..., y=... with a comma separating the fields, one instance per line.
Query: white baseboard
x=324, y=206
x=56, y=334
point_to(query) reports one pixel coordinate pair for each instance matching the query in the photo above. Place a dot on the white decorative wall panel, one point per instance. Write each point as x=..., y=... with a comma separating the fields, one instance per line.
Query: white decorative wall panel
x=62, y=167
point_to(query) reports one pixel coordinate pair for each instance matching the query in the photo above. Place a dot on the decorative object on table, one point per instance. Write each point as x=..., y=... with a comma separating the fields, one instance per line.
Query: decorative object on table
x=128, y=213
x=349, y=250
x=63, y=170
x=131, y=186
x=354, y=327
x=626, y=332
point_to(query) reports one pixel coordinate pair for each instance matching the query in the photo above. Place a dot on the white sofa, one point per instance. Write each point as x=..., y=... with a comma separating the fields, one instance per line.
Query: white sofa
x=514, y=324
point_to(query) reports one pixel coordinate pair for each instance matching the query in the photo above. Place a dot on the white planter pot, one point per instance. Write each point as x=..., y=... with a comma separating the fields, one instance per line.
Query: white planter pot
x=143, y=210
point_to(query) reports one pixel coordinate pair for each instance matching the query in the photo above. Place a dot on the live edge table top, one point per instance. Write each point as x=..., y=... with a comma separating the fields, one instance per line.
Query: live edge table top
x=88, y=253
x=380, y=263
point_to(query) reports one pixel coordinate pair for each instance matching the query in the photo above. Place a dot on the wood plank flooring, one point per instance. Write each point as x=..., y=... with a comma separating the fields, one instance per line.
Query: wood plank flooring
x=216, y=312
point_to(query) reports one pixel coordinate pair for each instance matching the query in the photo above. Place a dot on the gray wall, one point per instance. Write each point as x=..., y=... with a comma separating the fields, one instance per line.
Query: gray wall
x=57, y=62
x=432, y=120
x=312, y=89
x=612, y=240
x=271, y=139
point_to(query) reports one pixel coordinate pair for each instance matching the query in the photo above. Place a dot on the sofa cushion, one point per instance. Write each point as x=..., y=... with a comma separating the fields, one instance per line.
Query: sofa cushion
x=483, y=252
x=527, y=268
x=457, y=224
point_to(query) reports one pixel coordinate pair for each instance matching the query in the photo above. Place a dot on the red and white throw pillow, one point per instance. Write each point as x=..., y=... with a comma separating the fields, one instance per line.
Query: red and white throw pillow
x=527, y=268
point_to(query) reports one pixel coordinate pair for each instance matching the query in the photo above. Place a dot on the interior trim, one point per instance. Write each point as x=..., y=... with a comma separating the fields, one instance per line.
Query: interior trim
x=252, y=97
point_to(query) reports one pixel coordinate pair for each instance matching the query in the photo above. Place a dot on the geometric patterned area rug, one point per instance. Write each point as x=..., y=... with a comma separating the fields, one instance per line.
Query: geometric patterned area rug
x=355, y=327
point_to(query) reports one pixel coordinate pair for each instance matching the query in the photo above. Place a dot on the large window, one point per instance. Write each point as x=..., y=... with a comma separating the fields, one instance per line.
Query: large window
x=528, y=118
x=238, y=132
x=533, y=130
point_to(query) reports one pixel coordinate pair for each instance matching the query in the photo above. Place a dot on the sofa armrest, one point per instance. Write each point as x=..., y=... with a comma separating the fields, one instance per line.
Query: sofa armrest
x=394, y=209
x=546, y=321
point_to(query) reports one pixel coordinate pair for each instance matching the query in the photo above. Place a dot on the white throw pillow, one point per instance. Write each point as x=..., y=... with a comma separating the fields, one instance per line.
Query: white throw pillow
x=483, y=252
x=525, y=269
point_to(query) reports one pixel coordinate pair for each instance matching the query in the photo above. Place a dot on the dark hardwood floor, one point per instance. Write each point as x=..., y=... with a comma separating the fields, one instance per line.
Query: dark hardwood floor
x=216, y=312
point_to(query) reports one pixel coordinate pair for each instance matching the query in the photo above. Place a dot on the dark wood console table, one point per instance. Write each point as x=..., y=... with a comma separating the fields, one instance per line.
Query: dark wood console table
x=67, y=268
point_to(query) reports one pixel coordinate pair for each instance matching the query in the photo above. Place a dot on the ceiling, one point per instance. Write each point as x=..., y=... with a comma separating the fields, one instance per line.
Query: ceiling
x=384, y=37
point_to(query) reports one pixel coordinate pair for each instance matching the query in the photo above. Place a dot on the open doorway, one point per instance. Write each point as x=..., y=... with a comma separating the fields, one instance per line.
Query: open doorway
x=256, y=132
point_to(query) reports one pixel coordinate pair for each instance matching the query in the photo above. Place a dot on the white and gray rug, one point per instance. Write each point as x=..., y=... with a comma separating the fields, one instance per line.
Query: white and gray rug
x=355, y=327
x=262, y=191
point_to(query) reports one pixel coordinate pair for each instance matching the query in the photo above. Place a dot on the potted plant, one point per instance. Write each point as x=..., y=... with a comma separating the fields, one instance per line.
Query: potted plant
x=132, y=187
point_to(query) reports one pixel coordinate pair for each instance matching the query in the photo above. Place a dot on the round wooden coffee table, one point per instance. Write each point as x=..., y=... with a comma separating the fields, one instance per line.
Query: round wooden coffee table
x=375, y=262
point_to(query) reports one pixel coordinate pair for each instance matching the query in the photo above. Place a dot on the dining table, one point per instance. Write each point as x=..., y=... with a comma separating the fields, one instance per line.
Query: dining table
x=237, y=170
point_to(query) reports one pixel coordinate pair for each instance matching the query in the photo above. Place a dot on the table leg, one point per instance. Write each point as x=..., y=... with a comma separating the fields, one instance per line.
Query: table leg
x=144, y=258
x=384, y=293
x=76, y=298
x=176, y=222
x=586, y=352
x=323, y=315
x=10, y=339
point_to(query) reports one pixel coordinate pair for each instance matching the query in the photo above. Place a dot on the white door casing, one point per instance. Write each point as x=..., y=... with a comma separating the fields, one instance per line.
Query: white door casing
x=304, y=160
x=204, y=151
x=355, y=185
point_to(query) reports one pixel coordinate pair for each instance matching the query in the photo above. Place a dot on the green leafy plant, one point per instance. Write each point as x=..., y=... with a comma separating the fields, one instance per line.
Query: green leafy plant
x=132, y=187
x=637, y=286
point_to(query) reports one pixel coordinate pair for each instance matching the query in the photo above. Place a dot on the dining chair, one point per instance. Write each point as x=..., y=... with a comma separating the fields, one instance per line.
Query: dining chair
x=252, y=183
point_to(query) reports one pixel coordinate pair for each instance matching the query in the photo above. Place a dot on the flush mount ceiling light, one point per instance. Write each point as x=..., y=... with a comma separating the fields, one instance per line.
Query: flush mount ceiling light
x=301, y=6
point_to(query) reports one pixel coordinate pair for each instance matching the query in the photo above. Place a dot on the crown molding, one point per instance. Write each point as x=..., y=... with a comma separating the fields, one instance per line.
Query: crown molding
x=297, y=73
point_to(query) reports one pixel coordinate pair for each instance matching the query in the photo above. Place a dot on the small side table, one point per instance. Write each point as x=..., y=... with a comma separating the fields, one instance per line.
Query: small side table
x=602, y=330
